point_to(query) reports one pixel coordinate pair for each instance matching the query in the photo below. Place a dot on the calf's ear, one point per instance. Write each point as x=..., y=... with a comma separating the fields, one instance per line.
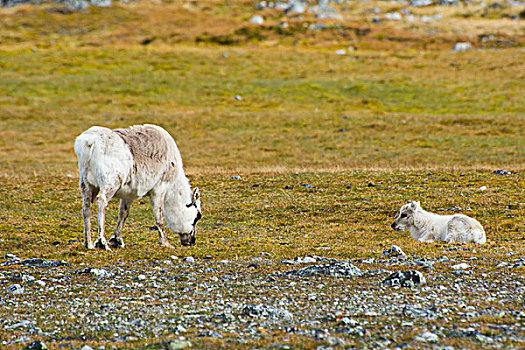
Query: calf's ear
x=196, y=194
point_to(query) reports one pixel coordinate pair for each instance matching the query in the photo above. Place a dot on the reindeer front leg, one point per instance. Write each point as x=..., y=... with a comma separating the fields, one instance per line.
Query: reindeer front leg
x=116, y=240
x=157, y=203
x=103, y=199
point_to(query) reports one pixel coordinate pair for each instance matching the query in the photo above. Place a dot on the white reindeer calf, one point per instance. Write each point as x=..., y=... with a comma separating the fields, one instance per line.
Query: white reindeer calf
x=129, y=164
x=429, y=227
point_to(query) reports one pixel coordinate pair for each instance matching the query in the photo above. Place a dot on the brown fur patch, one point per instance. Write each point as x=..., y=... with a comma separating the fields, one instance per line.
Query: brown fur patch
x=149, y=148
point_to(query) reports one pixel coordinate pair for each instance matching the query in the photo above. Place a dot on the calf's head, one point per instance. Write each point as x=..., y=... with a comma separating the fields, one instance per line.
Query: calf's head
x=405, y=217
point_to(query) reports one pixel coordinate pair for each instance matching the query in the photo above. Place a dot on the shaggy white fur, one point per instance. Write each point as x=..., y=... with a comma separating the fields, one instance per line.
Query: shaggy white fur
x=129, y=164
x=429, y=227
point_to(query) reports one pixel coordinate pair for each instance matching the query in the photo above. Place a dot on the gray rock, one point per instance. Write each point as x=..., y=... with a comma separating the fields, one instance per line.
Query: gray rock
x=36, y=345
x=502, y=172
x=462, y=47
x=15, y=289
x=427, y=337
x=11, y=257
x=257, y=19
x=189, y=259
x=100, y=3
x=211, y=334
x=462, y=266
x=295, y=7
x=394, y=251
x=40, y=283
x=76, y=5
x=101, y=273
x=420, y=3
x=405, y=279
x=334, y=269
x=412, y=311
x=267, y=311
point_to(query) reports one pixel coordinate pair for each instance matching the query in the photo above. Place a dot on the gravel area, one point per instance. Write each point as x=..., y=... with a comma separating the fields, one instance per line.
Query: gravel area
x=307, y=302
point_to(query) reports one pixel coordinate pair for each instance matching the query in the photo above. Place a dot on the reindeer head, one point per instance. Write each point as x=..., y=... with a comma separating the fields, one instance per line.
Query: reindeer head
x=182, y=211
x=192, y=214
x=405, y=217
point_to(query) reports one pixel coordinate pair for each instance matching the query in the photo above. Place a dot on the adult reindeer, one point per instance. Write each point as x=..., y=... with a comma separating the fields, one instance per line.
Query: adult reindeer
x=129, y=164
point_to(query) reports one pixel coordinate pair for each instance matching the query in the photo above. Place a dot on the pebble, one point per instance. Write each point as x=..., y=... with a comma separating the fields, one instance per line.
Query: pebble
x=461, y=266
x=15, y=289
x=405, y=279
x=189, y=259
x=257, y=19
x=462, y=47
x=427, y=337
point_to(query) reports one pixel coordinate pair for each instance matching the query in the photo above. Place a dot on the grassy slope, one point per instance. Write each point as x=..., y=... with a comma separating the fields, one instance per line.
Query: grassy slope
x=428, y=125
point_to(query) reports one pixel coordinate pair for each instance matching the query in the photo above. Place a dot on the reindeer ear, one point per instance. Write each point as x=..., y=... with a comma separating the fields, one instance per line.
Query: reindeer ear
x=413, y=204
x=196, y=194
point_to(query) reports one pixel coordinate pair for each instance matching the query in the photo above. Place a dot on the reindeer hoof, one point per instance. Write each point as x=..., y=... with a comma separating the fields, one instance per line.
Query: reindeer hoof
x=89, y=245
x=102, y=245
x=116, y=242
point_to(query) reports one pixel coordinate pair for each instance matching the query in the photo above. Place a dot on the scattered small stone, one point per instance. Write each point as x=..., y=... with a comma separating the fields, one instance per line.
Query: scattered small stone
x=427, y=337
x=287, y=187
x=341, y=52
x=482, y=188
x=307, y=185
x=211, y=334
x=40, y=283
x=412, y=311
x=405, y=279
x=140, y=277
x=257, y=19
x=238, y=97
x=394, y=251
x=502, y=172
x=207, y=257
x=11, y=257
x=101, y=273
x=334, y=269
x=236, y=177
x=15, y=289
x=189, y=260
x=461, y=266
x=36, y=345
x=267, y=311
x=462, y=47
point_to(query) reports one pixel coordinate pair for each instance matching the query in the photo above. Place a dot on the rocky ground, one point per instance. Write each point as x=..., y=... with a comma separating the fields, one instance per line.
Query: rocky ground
x=459, y=300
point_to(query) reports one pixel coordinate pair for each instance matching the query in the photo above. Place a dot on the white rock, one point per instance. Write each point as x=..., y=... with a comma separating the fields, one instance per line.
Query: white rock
x=340, y=52
x=461, y=47
x=189, y=259
x=15, y=289
x=482, y=188
x=257, y=19
x=427, y=337
x=461, y=266
x=40, y=283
